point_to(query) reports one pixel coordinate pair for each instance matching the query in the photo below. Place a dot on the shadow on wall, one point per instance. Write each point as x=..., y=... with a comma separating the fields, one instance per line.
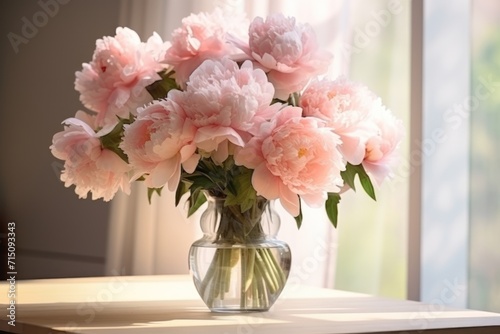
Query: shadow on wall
x=44, y=42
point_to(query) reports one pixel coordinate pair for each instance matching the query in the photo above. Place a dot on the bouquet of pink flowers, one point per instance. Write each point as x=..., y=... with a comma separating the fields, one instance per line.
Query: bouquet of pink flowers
x=240, y=114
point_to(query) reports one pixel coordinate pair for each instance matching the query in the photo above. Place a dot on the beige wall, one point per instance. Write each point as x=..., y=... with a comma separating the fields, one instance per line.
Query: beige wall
x=57, y=235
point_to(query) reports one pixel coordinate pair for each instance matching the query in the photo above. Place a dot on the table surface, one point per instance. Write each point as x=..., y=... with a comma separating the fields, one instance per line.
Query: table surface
x=170, y=304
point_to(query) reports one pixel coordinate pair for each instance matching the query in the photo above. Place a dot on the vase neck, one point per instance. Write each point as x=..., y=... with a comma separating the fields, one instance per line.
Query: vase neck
x=230, y=224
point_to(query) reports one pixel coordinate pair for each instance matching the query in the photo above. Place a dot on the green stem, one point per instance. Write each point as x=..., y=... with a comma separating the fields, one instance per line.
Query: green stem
x=223, y=267
x=243, y=260
x=274, y=265
x=263, y=269
x=227, y=277
x=249, y=267
x=261, y=287
x=210, y=274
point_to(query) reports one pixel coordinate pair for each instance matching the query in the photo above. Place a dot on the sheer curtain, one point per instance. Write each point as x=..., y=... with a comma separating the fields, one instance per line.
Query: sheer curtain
x=372, y=254
x=155, y=238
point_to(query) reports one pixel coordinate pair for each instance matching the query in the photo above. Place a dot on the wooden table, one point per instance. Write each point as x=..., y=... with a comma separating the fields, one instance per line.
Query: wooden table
x=170, y=304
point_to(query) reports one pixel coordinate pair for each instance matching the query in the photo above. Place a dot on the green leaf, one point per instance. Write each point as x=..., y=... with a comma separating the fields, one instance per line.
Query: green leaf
x=228, y=163
x=298, y=219
x=182, y=188
x=331, y=206
x=366, y=183
x=350, y=174
x=159, y=89
x=276, y=100
x=294, y=99
x=151, y=191
x=242, y=192
x=200, y=180
x=112, y=140
x=196, y=200
x=232, y=189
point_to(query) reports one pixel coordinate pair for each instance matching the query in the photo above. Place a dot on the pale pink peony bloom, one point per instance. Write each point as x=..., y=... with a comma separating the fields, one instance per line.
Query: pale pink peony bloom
x=202, y=36
x=346, y=107
x=294, y=156
x=287, y=51
x=86, y=164
x=381, y=149
x=158, y=142
x=114, y=82
x=226, y=104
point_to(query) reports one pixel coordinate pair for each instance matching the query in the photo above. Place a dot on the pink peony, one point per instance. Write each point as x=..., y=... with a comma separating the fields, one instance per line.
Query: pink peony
x=158, y=142
x=294, y=156
x=86, y=164
x=202, y=36
x=287, y=51
x=226, y=104
x=114, y=82
x=381, y=148
x=346, y=107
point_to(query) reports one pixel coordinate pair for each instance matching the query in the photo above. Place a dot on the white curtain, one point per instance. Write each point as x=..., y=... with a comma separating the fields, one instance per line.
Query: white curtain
x=155, y=238
x=373, y=235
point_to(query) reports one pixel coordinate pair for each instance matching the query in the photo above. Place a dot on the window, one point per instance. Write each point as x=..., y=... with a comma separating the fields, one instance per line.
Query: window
x=484, y=254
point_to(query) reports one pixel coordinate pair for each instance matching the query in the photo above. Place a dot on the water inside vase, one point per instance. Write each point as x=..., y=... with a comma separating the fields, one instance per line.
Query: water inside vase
x=235, y=278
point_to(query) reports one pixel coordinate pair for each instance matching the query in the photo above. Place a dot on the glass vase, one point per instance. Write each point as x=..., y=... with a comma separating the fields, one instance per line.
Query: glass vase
x=239, y=265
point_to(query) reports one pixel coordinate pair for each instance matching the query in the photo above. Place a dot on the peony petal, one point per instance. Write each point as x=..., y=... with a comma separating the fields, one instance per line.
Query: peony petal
x=379, y=171
x=191, y=163
x=187, y=151
x=239, y=43
x=78, y=122
x=251, y=155
x=265, y=183
x=221, y=153
x=289, y=200
x=314, y=200
x=109, y=160
x=208, y=138
x=174, y=180
x=287, y=113
x=162, y=173
x=353, y=149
